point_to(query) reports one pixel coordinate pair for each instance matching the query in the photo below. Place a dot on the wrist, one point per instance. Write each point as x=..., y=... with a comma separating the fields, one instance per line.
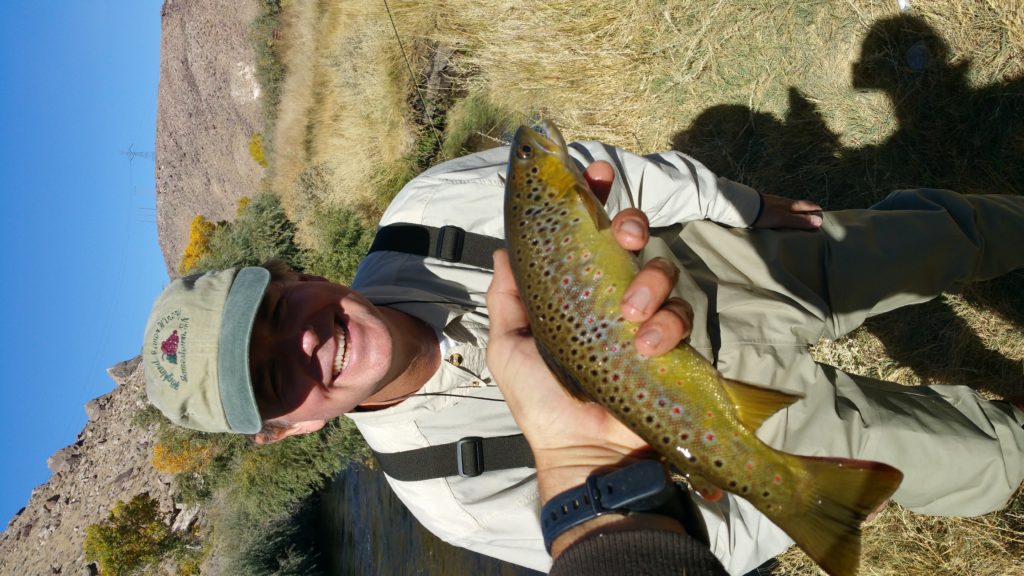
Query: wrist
x=559, y=470
x=615, y=522
x=604, y=500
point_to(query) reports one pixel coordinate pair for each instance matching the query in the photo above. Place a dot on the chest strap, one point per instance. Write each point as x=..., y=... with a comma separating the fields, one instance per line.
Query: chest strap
x=448, y=243
x=468, y=457
x=472, y=455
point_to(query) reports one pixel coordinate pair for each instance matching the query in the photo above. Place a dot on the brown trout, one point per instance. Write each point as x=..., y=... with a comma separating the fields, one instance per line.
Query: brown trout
x=572, y=275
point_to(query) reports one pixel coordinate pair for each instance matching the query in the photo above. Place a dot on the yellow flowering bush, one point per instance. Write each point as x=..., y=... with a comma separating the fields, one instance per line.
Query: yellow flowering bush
x=256, y=149
x=199, y=234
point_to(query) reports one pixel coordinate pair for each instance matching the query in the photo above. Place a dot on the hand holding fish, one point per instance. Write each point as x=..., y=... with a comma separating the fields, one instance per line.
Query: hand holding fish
x=570, y=439
x=665, y=322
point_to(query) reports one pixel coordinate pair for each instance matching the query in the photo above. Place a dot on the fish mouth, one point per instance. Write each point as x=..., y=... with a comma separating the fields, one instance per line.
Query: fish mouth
x=542, y=137
x=551, y=138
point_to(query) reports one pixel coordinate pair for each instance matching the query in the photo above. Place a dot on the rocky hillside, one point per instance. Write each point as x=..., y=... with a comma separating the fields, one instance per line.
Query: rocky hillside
x=208, y=108
x=109, y=461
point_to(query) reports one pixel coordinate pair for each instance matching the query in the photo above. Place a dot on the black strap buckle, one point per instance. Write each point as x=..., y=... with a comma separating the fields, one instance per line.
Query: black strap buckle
x=449, y=243
x=469, y=456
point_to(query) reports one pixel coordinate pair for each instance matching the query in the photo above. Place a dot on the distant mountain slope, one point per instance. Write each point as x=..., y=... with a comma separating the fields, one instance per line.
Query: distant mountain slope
x=208, y=107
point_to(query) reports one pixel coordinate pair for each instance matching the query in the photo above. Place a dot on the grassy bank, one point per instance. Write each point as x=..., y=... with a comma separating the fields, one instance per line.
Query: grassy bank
x=836, y=101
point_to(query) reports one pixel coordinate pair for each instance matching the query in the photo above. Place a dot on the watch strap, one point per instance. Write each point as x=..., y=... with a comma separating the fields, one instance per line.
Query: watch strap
x=639, y=487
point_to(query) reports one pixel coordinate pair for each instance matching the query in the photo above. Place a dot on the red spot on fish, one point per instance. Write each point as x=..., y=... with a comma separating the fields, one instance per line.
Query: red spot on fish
x=641, y=396
x=565, y=281
x=662, y=402
x=709, y=437
x=750, y=466
x=586, y=293
x=569, y=257
x=777, y=479
x=677, y=410
x=615, y=377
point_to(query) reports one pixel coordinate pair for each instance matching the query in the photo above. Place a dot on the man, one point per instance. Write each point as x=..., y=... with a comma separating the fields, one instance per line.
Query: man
x=402, y=352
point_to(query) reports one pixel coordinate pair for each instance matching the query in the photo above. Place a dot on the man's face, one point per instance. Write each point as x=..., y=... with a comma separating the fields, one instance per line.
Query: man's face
x=318, y=349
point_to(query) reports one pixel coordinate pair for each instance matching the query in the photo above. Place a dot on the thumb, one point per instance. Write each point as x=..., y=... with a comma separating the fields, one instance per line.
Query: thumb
x=600, y=176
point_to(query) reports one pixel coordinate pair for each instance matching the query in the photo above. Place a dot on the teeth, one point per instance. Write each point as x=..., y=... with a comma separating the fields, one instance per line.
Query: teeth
x=341, y=356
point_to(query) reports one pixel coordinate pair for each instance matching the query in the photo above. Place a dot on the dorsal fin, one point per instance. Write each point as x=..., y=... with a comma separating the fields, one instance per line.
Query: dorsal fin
x=755, y=404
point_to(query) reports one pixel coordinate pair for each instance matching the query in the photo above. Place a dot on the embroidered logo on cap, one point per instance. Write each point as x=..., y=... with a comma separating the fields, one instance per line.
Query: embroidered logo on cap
x=167, y=353
x=170, y=348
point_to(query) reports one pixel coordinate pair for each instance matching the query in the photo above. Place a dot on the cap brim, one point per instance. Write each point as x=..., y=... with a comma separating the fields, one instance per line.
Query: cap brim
x=240, y=309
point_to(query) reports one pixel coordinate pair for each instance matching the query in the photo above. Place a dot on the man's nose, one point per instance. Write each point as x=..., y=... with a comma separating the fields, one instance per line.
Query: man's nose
x=310, y=341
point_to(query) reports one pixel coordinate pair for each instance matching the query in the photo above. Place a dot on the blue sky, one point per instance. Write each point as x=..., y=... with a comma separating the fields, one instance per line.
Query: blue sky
x=80, y=259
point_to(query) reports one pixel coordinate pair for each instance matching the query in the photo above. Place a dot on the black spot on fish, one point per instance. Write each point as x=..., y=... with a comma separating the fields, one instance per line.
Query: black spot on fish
x=718, y=463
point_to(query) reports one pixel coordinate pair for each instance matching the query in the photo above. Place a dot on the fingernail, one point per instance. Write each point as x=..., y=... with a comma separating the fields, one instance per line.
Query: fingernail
x=650, y=337
x=639, y=300
x=633, y=228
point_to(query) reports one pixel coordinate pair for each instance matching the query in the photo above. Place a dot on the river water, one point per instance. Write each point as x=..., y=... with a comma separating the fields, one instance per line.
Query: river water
x=374, y=534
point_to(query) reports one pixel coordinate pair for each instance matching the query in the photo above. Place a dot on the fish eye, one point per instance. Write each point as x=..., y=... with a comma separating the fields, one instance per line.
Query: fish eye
x=524, y=152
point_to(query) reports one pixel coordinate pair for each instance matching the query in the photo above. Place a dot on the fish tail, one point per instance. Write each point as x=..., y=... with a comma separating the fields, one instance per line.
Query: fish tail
x=841, y=494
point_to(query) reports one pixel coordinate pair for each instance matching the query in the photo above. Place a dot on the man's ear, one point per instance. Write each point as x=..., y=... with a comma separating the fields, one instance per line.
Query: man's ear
x=278, y=434
x=304, y=427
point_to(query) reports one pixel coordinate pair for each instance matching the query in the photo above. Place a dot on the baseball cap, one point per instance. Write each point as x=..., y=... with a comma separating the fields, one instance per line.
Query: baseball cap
x=196, y=350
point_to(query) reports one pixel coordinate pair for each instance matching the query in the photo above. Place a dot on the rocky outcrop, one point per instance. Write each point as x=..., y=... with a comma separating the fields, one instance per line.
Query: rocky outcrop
x=109, y=461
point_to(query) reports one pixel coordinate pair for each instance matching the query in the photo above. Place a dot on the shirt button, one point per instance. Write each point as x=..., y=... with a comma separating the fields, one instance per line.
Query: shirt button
x=455, y=359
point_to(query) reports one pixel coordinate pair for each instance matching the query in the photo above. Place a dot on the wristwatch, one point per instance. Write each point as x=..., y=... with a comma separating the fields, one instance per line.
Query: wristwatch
x=640, y=487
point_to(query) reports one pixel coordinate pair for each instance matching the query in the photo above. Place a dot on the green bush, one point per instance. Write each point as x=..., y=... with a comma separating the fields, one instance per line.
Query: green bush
x=270, y=69
x=286, y=546
x=261, y=232
x=271, y=480
x=475, y=124
x=133, y=536
x=343, y=239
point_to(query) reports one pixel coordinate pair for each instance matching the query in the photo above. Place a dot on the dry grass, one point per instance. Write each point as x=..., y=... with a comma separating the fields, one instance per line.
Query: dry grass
x=762, y=91
x=343, y=110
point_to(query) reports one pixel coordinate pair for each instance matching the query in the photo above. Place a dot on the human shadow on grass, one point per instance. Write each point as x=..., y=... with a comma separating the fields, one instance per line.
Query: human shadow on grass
x=949, y=135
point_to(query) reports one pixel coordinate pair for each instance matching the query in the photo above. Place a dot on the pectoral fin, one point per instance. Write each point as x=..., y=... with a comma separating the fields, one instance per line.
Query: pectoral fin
x=707, y=490
x=569, y=382
x=755, y=404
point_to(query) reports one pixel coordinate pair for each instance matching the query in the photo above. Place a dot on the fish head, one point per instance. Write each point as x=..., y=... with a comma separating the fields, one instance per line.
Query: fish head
x=541, y=170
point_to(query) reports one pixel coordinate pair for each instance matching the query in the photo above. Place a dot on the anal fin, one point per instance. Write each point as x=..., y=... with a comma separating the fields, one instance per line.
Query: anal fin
x=755, y=404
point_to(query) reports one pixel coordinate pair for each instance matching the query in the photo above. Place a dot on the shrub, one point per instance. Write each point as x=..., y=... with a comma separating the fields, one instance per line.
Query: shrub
x=199, y=234
x=133, y=536
x=256, y=149
x=343, y=238
x=270, y=69
x=271, y=480
x=261, y=232
x=171, y=459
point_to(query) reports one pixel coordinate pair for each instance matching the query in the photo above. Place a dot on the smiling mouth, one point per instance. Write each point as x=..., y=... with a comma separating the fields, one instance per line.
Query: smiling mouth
x=341, y=351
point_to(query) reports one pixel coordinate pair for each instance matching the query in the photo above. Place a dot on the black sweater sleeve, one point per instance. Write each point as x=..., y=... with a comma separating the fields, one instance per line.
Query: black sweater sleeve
x=647, y=552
